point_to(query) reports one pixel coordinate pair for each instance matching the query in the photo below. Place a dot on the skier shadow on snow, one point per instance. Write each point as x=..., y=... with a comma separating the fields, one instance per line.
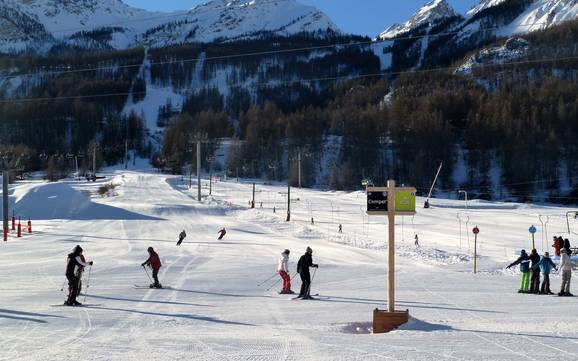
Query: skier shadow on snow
x=246, y=231
x=173, y=315
x=147, y=301
x=564, y=338
x=20, y=315
x=410, y=304
x=219, y=294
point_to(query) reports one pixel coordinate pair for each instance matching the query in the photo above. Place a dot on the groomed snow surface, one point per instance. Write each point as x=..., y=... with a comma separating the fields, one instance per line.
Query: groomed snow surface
x=214, y=309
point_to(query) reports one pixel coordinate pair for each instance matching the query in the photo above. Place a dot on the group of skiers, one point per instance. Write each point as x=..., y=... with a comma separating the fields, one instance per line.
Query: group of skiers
x=558, y=244
x=532, y=265
x=303, y=266
x=76, y=264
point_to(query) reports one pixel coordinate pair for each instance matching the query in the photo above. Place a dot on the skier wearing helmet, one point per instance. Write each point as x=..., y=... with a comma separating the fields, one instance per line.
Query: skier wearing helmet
x=303, y=265
x=74, y=264
x=154, y=262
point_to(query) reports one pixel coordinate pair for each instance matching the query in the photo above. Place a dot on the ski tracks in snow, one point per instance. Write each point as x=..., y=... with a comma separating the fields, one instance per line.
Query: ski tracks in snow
x=486, y=338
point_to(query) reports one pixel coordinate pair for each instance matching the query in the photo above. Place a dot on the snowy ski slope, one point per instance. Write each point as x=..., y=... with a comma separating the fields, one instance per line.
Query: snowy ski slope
x=214, y=309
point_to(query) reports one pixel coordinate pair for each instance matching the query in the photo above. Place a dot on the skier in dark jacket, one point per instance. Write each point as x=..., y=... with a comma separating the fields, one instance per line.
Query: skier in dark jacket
x=535, y=281
x=567, y=247
x=303, y=265
x=154, y=262
x=182, y=236
x=222, y=233
x=524, y=262
x=74, y=264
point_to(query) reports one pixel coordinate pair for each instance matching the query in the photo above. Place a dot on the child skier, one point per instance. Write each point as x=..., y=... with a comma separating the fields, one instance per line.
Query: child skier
x=222, y=233
x=154, y=262
x=523, y=261
x=546, y=266
x=566, y=269
x=283, y=270
x=73, y=265
x=182, y=236
x=303, y=265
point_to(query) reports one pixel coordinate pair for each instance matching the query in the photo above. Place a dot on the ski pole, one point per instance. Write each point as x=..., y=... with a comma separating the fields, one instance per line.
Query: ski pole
x=273, y=285
x=62, y=287
x=143, y=267
x=260, y=284
x=312, y=278
x=276, y=282
x=87, y=283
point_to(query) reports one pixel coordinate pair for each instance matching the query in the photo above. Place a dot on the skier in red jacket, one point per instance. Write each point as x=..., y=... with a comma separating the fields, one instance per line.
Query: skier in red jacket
x=557, y=245
x=154, y=262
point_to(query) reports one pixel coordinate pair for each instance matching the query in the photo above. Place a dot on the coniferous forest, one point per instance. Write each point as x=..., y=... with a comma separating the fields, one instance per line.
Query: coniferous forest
x=503, y=131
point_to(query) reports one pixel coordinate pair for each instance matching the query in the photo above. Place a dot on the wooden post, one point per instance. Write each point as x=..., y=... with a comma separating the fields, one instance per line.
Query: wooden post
x=391, y=246
x=377, y=199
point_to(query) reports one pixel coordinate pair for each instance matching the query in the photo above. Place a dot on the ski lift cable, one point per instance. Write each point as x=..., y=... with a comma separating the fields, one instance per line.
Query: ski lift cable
x=299, y=81
x=241, y=55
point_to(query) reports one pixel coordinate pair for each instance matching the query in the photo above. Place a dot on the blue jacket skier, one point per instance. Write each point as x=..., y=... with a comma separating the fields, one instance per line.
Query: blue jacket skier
x=546, y=266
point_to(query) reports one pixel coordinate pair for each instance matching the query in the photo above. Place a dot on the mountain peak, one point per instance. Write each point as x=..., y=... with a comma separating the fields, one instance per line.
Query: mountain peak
x=431, y=13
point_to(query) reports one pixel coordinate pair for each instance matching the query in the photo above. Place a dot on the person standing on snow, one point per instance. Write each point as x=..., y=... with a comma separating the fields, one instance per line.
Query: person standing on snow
x=546, y=266
x=557, y=245
x=283, y=269
x=303, y=265
x=566, y=269
x=524, y=262
x=535, y=281
x=73, y=265
x=182, y=236
x=154, y=262
x=567, y=246
x=222, y=233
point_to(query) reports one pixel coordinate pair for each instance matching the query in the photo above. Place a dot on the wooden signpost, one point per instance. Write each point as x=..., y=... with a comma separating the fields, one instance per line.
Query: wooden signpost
x=390, y=201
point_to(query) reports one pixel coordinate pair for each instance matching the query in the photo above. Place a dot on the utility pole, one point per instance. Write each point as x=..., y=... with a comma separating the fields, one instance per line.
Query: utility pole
x=299, y=170
x=76, y=163
x=199, y=170
x=288, y=201
x=94, y=161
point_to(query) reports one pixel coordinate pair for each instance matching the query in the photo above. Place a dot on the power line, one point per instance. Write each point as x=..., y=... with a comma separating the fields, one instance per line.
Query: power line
x=242, y=55
x=310, y=80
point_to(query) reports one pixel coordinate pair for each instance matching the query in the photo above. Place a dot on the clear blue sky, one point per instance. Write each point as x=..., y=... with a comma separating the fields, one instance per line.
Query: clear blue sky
x=366, y=17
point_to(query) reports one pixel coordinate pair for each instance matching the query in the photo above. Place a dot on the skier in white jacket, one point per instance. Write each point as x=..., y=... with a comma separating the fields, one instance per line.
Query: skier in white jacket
x=283, y=269
x=566, y=270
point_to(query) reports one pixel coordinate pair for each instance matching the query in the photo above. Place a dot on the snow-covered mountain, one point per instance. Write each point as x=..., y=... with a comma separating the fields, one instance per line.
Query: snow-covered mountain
x=235, y=19
x=42, y=24
x=432, y=13
x=439, y=36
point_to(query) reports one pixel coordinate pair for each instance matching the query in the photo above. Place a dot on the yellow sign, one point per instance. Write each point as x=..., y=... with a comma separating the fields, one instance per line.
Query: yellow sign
x=405, y=201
